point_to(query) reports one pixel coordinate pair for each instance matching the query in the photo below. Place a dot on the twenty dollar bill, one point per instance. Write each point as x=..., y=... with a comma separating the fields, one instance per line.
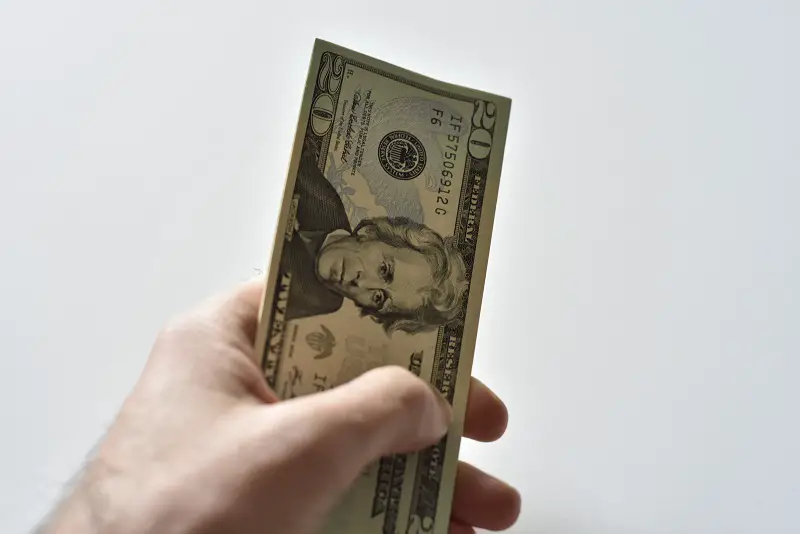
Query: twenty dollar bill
x=380, y=259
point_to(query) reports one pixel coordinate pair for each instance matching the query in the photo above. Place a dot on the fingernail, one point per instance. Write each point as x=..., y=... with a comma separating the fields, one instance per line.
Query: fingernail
x=445, y=412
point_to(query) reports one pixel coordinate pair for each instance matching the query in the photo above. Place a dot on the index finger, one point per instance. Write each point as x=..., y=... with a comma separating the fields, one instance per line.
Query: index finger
x=237, y=310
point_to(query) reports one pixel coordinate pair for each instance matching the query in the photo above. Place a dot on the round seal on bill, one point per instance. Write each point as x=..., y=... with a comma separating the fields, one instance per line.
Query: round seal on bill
x=402, y=155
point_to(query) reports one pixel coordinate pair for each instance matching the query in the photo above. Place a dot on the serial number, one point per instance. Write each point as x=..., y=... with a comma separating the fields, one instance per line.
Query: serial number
x=454, y=127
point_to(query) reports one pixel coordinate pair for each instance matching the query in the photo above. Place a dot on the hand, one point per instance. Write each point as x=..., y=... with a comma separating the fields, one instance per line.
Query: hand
x=201, y=445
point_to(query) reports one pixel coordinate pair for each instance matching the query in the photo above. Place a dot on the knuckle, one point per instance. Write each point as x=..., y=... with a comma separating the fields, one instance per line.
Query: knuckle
x=386, y=391
x=179, y=333
x=382, y=409
x=410, y=392
x=175, y=327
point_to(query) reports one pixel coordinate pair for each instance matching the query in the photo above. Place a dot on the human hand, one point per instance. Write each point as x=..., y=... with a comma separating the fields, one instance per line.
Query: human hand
x=201, y=445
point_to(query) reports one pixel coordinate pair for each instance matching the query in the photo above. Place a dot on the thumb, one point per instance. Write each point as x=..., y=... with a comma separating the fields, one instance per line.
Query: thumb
x=384, y=411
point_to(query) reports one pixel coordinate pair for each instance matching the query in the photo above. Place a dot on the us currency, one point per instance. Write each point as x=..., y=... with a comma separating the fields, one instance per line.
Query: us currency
x=380, y=258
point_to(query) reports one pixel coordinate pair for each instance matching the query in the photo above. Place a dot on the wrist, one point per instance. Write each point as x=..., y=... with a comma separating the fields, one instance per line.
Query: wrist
x=74, y=514
x=97, y=504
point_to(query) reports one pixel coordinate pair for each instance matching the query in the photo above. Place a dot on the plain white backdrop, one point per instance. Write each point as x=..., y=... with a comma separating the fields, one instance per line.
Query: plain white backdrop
x=641, y=313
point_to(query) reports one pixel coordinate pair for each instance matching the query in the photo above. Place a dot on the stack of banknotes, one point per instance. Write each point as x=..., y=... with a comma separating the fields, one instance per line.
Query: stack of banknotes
x=380, y=259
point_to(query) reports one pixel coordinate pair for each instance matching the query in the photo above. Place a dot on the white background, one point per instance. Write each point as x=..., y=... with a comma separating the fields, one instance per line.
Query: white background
x=641, y=313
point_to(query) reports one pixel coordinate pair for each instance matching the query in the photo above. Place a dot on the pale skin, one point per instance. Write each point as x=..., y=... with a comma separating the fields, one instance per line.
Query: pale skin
x=202, y=445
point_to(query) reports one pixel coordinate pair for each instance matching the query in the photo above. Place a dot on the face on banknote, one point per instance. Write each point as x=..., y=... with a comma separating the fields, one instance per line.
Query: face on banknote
x=380, y=257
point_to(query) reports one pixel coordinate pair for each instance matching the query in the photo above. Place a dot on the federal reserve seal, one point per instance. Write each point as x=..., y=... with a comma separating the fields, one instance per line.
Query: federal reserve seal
x=402, y=155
